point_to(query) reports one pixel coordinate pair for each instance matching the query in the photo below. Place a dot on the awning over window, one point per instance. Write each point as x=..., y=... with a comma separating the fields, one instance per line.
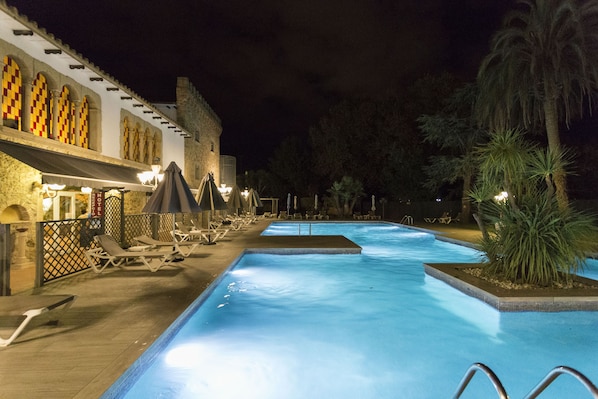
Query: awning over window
x=73, y=171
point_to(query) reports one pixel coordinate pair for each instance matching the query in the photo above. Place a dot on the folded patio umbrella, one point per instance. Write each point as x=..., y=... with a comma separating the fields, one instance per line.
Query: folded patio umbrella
x=209, y=198
x=236, y=200
x=253, y=200
x=172, y=195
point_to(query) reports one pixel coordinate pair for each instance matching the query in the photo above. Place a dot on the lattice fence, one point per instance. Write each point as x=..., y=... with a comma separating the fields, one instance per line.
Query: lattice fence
x=62, y=244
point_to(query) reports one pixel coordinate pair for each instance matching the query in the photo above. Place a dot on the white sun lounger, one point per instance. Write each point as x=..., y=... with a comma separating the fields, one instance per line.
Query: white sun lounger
x=110, y=252
x=29, y=307
x=176, y=245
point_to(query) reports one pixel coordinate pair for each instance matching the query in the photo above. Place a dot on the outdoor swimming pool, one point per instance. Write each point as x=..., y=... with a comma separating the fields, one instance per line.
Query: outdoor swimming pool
x=356, y=326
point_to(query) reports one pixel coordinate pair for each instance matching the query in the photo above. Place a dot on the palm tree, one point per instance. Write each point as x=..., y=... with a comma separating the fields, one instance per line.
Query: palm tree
x=503, y=161
x=535, y=241
x=542, y=69
x=345, y=194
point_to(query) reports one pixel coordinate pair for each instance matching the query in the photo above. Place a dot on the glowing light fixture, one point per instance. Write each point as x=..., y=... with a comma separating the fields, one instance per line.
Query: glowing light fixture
x=56, y=187
x=51, y=190
x=224, y=190
x=152, y=177
x=502, y=197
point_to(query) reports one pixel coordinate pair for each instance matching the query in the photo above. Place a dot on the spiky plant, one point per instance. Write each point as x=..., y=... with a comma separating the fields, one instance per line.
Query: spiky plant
x=538, y=243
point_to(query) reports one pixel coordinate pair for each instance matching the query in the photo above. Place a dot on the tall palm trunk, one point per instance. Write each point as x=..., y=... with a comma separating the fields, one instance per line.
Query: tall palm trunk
x=554, y=144
x=465, y=200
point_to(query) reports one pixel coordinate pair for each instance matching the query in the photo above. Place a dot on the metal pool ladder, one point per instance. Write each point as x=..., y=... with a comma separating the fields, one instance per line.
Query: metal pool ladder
x=534, y=393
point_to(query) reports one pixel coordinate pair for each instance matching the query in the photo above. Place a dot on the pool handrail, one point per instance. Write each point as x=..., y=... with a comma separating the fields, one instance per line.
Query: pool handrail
x=535, y=392
x=500, y=390
x=557, y=372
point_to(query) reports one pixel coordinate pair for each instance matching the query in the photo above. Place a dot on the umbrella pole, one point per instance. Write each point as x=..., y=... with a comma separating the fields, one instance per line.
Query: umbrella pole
x=173, y=230
x=173, y=236
x=210, y=242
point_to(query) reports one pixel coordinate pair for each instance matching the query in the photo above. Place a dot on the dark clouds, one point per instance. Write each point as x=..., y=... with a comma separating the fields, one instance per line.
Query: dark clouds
x=272, y=68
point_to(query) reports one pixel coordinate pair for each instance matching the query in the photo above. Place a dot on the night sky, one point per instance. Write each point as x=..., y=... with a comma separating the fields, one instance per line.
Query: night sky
x=272, y=68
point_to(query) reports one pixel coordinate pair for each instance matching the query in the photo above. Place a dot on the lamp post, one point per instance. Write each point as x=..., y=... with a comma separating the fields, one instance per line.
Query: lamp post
x=151, y=178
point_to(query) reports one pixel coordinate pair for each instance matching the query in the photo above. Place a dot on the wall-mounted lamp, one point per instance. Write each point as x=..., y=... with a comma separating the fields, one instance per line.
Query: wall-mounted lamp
x=86, y=190
x=225, y=191
x=49, y=192
x=151, y=178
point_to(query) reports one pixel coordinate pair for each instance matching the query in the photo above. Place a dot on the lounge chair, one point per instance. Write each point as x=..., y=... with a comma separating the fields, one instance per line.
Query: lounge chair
x=182, y=233
x=110, y=252
x=445, y=218
x=372, y=216
x=30, y=306
x=176, y=245
x=321, y=215
x=231, y=222
x=407, y=219
x=208, y=235
x=219, y=227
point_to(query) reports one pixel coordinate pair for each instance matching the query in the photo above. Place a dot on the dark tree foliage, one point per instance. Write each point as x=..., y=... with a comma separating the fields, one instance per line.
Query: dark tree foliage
x=290, y=167
x=378, y=142
x=456, y=134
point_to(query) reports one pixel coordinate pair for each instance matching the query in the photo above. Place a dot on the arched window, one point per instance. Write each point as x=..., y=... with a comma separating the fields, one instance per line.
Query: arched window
x=65, y=117
x=136, y=155
x=41, y=108
x=156, y=146
x=84, y=123
x=145, y=156
x=12, y=87
x=125, y=142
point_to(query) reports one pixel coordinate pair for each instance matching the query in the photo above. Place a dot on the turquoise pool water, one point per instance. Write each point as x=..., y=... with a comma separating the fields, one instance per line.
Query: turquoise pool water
x=356, y=326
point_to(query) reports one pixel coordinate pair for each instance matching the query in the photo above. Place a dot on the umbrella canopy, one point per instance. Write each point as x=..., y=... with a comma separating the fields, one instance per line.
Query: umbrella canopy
x=253, y=199
x=373, y=202
x=289, y=203
x=208, y=196
x=172, y=194
x=236, y=200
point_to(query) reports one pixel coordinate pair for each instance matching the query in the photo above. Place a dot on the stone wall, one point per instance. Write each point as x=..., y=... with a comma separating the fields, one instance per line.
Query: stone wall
x=134, y=202
x=202, y=151
x=19, y=199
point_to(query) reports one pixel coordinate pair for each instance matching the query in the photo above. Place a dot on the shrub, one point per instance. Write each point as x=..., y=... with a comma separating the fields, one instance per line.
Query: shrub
x=537, y=242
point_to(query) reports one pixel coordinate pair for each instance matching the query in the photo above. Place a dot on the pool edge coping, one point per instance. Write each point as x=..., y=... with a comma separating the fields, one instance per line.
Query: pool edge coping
x=506, y=300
